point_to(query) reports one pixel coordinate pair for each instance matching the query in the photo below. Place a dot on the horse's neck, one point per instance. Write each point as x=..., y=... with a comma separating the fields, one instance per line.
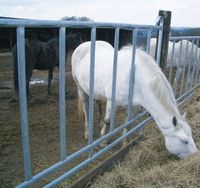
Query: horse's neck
x=162, y=117
x=160, y=113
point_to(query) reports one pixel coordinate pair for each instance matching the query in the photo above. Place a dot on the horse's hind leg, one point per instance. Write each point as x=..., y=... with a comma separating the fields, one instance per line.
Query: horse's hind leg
x=85, y=104
x=128, y=116
x=106, y=121
x=100, y=110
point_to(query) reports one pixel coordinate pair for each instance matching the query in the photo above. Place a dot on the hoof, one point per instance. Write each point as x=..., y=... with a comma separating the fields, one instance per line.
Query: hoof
x=103, y=144
x=86, y=136
x=125, y=142
x=103, y=130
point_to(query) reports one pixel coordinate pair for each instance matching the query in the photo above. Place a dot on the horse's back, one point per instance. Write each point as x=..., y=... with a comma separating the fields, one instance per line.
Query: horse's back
x=84, y=48
x=103, y=67
x=146, y=70
x=82, y=53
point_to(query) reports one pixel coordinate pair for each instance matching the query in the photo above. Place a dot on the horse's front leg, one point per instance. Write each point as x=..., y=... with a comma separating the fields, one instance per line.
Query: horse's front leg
x=50, y=76
x=106, y=121
x=133, y=112
x=100, y=110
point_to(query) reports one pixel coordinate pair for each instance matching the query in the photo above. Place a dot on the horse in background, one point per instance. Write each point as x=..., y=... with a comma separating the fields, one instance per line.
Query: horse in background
x=42, y=56
x=188, y=58
x=151, y=90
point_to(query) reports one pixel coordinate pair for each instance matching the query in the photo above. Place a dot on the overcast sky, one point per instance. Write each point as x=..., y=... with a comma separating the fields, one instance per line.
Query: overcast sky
x=184, y=12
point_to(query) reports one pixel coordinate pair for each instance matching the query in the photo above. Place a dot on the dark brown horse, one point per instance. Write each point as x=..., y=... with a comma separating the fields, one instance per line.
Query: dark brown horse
x=42, y=56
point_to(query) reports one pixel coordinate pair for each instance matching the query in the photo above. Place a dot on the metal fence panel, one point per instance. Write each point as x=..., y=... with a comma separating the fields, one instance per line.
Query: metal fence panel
x=189, y=83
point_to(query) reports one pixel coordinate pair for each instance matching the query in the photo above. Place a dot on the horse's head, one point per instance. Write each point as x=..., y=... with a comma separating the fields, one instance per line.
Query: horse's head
x=178, y=138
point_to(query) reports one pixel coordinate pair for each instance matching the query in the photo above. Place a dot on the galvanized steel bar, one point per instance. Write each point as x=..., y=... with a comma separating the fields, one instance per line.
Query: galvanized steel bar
x=194, y=63
x=159, y=42
x=148, y=40
x=132, y=75
x=23, y=101
x=189, y=63
x=62, y=47
x=171, y=63
x=186, y=99
x=75, y=24
x=114, y=78
x=185, y=38
x=184, y=96
x=91, y=143
x=184, y=68
x=197, y=67
x=177, y=70
x=91, y=87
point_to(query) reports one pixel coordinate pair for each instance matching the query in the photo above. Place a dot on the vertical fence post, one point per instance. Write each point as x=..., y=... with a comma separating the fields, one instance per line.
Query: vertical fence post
x=91, y=88
x=197, y=67
x=194, y=62
x=23, y=101
x=159, y=22
x=171, y=63
x=190, y=62
x=114, y=79
x=62, y=47
x=148, y=40
x=178, y=72
x=132, y=75
x=165, y=38
x=184, y=67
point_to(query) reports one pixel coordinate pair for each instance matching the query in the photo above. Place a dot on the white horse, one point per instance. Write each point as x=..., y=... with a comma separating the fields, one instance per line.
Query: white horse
x=189, y=54
x=185, y=57
x=151, y=90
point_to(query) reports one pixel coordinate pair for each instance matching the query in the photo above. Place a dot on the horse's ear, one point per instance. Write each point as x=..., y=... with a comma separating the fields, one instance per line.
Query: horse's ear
x=174, y=121
x=184, y=115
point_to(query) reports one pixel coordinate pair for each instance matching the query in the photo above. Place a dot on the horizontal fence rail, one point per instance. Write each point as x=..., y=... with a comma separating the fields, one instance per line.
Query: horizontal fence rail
x=45, y=23
x=184, y=82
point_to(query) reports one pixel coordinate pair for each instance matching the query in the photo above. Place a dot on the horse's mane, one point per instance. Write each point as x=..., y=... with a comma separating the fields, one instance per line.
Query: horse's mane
x=159, y=84
x=164, y=93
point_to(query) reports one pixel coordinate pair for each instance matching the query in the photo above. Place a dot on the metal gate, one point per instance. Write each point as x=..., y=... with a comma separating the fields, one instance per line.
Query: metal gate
x=65, y=158
x=184, y=54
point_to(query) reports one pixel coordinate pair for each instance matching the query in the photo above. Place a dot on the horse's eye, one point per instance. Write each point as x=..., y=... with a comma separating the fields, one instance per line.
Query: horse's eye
x=174, y=121
x=185, y=141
